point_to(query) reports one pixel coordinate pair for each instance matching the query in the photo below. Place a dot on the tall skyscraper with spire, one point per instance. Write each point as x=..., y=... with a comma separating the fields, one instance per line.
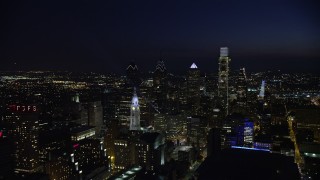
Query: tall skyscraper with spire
x=193, y=85
x=160, y=86
x=223, y=83
x=135, y=112
x=133, y=75
x=160, y=75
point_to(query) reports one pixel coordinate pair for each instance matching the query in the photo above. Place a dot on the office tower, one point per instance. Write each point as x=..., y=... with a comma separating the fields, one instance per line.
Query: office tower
x=160, y=85
x=196, y=131
x=146, y=109
x=88, y=155
x=241, y=90
x=265, y=124
x=111, y=134
x=123, y=112
x=75, y=111
x=135, y=112
x=160, y=122
x=173, y=105
x=160, y=75
x=124, y=153
x=59, y=168
x=133, y=75
x=84, y=119
x=210, y=84
x=150, y=151
x=54, y=143
x=95, y=116
x=23, y=129
x=248, y=133
x=182, y=95
x=109, y=105
x=214, y=142
x=262, y=91
x=206, y=106
x=193, y=89
x=264, y=113
x=175, y=125
x=237, y=131
x=223, y=80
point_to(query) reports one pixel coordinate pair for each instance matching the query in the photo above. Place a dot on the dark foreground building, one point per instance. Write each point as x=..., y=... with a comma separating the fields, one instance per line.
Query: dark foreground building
x=248, y=164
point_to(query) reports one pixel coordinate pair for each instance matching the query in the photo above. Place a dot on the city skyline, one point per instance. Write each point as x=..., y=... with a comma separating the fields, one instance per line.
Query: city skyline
x=93, y=36
x=220, y=89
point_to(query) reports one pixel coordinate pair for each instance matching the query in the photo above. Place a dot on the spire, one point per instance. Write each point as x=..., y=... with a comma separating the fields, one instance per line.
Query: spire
x=132, y=66
x=135, y=100
x=193, y=66
x=134, y=91
x=243, y=73
x=160, y=66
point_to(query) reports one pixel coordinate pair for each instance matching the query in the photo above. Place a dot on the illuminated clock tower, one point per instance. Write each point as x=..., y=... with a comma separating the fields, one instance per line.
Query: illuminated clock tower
x=135, y=112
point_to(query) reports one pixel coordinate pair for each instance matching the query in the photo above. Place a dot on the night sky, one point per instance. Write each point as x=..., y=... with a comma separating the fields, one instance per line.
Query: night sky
x=105, y=36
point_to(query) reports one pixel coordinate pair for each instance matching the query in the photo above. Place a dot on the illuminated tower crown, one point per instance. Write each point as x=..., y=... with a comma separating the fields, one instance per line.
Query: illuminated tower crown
x=135, y=112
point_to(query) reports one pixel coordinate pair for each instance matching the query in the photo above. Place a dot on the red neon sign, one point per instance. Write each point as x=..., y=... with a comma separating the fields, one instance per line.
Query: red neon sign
x=23, y=108
x=75, y=146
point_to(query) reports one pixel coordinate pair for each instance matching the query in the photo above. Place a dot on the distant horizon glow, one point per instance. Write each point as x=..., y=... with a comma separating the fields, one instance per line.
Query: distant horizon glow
x=106, y=36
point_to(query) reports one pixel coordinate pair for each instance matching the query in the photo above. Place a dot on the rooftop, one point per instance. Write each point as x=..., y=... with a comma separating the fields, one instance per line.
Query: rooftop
x=239, y=163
